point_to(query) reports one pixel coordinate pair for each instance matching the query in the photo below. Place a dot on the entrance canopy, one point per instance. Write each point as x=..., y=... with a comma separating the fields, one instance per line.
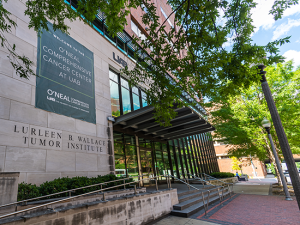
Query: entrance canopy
x=142, y=123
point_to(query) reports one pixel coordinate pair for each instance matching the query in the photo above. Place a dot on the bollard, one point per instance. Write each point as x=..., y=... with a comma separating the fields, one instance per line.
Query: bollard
x=104, y=197
x=134, y=189
x=124, y=184
x=156, y=184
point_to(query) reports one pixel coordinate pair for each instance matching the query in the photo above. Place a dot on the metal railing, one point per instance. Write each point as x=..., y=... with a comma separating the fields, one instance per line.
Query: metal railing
x=205, y=204
x=67, y=191
x=77, y=196
x=213, y=178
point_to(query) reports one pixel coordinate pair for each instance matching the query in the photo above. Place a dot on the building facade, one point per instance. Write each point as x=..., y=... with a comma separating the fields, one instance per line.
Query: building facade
x=252, y=167
x=60, y=123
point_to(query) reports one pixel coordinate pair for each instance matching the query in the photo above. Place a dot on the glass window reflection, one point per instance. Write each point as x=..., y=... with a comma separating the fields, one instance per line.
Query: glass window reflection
x=114, y=98
x=126, y=101
x=136, y=102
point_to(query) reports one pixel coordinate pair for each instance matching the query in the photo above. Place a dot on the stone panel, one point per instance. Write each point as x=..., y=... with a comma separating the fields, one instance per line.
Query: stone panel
x=25, y=160
x=58, y=161
x=101, y=117
x=6, y=67
x=31, y=79
x=61, y=122
x=28, y=114
x=15, y=90
x=99, y=88
x=4, y=108
x=102, y=131
x=74, y=174
x=95, y=174
x=103, y=162
x=23, y=177
x=17, y=8
x=2, y=158
x=86, y=128
x=82, y=143
x=86, y=162
x=26, y=34
x=38, y=178
x=13, y=133
x=45, y=138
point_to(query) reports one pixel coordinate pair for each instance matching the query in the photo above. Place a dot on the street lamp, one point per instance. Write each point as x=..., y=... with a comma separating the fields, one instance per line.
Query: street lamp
x=267, y=125
x=283, y=142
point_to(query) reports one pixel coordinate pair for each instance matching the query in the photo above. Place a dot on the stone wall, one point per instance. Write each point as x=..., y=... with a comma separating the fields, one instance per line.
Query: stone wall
x=38, y=143
x=131, y=210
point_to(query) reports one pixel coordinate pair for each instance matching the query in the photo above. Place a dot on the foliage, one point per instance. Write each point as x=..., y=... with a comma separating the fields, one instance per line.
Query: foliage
x=193, y=50
x=27, y=191
x=238, y=119
x=235, y=164
x=270, y=166
x=221, y=175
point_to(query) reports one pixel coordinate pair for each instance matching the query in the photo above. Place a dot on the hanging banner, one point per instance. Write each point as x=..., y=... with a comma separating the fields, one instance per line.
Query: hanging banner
x=65, y=82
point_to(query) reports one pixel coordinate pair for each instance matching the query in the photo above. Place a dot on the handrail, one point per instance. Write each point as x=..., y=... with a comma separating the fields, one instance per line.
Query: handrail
x=184, y=182
x=200, y=179
x=66, y=199
x=71, y=190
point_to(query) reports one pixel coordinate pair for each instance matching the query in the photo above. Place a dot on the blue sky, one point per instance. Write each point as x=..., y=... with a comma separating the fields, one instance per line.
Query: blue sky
x=268, y=30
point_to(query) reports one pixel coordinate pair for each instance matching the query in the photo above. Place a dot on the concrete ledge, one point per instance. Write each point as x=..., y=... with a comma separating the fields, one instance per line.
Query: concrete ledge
x=10, y=174
x=133, y=209
x=226, y=180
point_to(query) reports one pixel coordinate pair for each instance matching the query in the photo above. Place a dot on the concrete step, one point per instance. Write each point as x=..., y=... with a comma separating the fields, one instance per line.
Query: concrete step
x=185, y=204
x=187, y=192
x=192, y=194
x=196, y=207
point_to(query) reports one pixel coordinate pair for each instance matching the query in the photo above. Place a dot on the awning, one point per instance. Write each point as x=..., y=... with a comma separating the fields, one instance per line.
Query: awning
x=142, y=123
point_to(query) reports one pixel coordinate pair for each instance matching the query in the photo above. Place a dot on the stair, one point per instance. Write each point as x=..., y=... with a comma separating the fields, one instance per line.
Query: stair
x=191, y=201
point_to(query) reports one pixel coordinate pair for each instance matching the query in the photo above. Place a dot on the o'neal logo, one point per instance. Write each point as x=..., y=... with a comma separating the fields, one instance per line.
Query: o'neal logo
x=57, y=95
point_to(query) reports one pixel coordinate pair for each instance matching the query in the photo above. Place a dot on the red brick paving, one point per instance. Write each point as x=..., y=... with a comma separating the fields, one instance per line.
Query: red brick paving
x=258, y=210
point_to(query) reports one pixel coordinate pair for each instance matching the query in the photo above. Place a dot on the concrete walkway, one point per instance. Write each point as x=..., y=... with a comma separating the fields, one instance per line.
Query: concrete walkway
x=251, y=204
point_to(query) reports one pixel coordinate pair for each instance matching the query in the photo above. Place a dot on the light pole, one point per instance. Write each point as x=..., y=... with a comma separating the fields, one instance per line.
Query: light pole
x=284, y=144
x=267, y=125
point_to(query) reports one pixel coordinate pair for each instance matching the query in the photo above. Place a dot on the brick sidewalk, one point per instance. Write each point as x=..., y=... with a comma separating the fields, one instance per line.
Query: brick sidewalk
x=253, y=209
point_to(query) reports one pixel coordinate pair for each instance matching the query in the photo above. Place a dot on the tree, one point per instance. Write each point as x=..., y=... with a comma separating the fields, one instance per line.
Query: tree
x=235, y=164
x=238, y=119
x=199, y=31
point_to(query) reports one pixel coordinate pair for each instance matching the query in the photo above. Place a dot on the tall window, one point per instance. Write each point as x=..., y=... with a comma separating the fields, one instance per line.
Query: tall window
x=136, y=98
x=137, y=31
x=124, y=98
x=144, y=99
x=165, y=15
x=114, y=93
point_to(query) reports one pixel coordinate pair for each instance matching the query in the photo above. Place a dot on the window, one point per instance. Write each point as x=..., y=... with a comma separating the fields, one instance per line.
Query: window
x=114, y=93
x=137, y=31
x=124, y=98
x=165, y=15
x=136, y=98
x=144, y=8
x=144, y=99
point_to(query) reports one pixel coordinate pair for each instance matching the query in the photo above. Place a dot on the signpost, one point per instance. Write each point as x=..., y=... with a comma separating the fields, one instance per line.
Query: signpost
x=65, y=82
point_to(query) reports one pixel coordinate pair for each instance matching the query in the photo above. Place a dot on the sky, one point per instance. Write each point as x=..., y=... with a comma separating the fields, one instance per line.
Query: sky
x=267, y=29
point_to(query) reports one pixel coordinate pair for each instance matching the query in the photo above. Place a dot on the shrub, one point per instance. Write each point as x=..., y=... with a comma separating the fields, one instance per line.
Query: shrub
x=27, y=191
x=222, y=174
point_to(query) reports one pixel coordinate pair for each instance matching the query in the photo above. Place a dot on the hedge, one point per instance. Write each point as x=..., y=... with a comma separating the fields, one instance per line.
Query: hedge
x=222, y=174
x=27, y=191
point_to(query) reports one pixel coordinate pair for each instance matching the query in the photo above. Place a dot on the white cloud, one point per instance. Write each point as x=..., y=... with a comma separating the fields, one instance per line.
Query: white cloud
x=282, y=29
x=295, y=9
x=261, y=17
x=293, y=55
